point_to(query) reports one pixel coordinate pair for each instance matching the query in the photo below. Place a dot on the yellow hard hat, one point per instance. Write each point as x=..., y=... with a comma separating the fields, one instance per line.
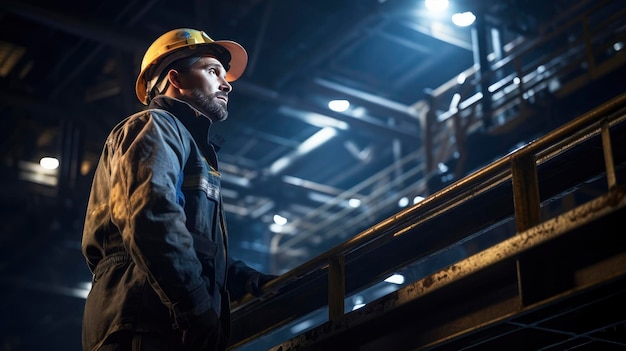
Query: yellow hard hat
x=184, y=42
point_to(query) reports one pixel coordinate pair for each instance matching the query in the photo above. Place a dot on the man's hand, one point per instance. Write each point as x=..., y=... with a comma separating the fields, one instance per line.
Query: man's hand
x=256, y=282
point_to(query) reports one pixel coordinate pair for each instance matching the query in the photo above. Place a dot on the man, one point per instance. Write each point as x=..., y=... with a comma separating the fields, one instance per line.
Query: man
x=154, y=236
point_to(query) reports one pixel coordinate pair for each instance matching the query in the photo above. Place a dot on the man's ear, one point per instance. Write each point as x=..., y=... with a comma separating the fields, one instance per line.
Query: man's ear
x=174, y=77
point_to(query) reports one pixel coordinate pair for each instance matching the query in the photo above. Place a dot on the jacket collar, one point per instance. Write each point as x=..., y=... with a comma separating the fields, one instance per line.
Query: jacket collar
x=198, y=124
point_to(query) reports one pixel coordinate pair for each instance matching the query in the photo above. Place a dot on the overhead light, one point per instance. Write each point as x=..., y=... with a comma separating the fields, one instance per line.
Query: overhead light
x=354, y=203
x=403, y=202
x=436, y=5
x=418, y=199
x=463, y=19
x=280, y=220
x=49, y=162
x=339, y=105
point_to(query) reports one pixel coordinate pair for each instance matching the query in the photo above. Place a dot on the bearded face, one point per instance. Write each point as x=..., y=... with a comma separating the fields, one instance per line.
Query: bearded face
x=201, y=82
x=214, y=105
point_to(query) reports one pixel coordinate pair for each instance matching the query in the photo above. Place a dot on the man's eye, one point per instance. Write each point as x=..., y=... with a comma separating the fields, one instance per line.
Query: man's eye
x=212, y=71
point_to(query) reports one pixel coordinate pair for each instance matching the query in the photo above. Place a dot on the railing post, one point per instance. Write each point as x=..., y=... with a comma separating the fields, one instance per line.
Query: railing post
x=525, y=191
x=336, y=286
x=608, y=155
x=429, y=129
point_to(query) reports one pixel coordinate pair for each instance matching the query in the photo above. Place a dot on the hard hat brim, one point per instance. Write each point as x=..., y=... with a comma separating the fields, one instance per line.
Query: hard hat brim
x=238, y=59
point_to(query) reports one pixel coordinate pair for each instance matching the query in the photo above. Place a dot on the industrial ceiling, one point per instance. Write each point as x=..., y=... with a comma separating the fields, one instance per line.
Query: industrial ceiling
x=68, y=71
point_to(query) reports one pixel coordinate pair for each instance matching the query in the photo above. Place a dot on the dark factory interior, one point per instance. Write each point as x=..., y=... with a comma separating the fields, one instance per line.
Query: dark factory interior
x=427, y=103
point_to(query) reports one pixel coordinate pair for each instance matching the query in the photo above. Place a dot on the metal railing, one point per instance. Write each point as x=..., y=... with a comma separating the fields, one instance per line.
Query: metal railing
x=518, y=187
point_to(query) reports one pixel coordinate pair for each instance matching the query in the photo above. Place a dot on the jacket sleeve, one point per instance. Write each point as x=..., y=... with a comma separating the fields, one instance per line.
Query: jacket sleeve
x=148, y=153
x=243, y=279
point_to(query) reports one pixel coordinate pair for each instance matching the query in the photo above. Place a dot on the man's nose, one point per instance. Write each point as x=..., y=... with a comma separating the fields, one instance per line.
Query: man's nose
x=225, y=86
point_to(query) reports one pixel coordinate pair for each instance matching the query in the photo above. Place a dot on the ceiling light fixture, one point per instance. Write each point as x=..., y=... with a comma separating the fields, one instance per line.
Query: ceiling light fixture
x=436, y=5
x=49, y=162
x=339, y=105
x=463, y=19
x=280, y=220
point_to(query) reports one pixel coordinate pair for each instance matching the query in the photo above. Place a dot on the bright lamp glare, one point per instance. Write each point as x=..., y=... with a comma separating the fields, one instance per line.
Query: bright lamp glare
x=403, y=202
x=49, y=163
x=436, y=5
x=357, y=306
x=280, y=220
x=339, y=105
x=354, y=203
x=418, y=199
x=463, y=19
x=395, y=279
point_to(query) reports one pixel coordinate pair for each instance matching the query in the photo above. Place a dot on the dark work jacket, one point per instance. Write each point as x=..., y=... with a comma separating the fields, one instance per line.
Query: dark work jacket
x=154, y=234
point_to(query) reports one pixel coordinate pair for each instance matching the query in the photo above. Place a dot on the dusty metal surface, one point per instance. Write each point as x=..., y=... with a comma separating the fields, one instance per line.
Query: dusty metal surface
x=478, y=303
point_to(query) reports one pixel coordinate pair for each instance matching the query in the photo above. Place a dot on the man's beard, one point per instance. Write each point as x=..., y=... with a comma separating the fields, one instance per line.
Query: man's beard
x=209, y=105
